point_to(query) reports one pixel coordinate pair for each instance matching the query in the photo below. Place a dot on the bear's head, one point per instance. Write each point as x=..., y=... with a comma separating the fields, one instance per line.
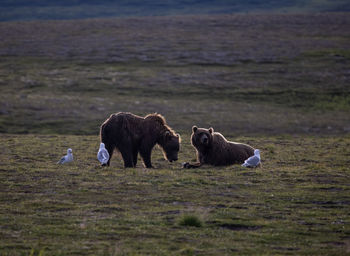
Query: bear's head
x=171, y=146
x=202, y=138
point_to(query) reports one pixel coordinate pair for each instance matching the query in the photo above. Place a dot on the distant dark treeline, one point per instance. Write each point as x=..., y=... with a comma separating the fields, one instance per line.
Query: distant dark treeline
x=78, y=9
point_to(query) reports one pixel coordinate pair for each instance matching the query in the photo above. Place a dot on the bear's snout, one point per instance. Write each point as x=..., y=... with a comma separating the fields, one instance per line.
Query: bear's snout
x=172, y=159
x=204, y=139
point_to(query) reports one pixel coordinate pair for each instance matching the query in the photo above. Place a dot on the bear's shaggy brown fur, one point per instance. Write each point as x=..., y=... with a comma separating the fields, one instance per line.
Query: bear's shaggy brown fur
x=212, y=148
x=132, y=134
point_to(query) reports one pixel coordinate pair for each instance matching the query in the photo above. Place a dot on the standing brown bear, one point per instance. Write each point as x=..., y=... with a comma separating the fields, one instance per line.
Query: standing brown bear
x=212, y=148
x=132, y=134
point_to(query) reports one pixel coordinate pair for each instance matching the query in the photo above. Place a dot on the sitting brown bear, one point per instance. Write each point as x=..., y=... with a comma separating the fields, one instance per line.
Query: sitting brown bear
x=212, y=148
x=132, y=134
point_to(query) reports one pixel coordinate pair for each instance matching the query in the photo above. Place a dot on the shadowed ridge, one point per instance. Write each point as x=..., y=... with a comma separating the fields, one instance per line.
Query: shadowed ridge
x=12, y=10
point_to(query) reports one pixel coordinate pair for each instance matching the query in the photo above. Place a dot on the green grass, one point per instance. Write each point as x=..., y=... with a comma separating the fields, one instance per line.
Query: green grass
x=297, y=203
x=190, y=220
x=329, y=53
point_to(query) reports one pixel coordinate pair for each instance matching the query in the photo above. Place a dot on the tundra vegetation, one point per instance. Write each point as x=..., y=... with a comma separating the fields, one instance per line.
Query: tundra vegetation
x=279, y=83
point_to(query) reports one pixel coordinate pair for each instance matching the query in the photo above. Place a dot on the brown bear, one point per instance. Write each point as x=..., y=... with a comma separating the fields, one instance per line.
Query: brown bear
x=131, y=134
x=212, y=148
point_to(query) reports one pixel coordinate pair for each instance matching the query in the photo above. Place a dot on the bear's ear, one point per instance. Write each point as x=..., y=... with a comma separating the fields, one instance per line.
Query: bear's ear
x=211, y=130
x=179, y=137
x=194, y=128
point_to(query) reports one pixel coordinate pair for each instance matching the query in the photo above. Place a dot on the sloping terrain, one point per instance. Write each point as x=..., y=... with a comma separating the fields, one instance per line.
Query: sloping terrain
x=239, y=73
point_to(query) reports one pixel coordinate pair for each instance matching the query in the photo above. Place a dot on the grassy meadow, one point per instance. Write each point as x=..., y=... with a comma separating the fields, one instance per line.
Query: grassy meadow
x=296, y=203
x=277, y=82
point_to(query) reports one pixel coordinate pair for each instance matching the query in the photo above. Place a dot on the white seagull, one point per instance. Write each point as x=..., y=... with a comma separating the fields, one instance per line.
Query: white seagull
x=253, y=161
x=102, y=154
x=67, y=158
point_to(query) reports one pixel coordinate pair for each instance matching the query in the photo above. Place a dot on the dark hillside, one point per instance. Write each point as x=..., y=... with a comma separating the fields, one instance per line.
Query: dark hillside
x=240, y=73
x=79, y=9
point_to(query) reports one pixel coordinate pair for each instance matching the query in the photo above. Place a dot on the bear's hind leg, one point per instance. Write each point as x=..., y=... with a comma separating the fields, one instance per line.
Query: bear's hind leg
x=127, y=157
x=110, y=149
x=134, y=156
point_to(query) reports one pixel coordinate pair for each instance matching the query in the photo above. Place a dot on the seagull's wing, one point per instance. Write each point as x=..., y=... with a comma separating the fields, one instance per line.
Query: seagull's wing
x=103, y=156
x=245, y=164
x=253, y=161
x=99, y=156
x=62, y=160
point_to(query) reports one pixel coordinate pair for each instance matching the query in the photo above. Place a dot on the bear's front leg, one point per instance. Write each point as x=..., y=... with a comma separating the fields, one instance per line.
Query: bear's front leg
x=146, y=157
x=187, y=165
x=110, y=148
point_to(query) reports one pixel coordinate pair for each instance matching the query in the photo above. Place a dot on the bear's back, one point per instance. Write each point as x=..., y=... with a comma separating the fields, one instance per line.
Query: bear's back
x=225, y=152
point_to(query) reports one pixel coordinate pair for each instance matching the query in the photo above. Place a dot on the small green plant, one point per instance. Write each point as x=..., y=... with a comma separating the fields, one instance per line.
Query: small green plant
x=187, y=251
x=190, y=220
x=34, y=252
